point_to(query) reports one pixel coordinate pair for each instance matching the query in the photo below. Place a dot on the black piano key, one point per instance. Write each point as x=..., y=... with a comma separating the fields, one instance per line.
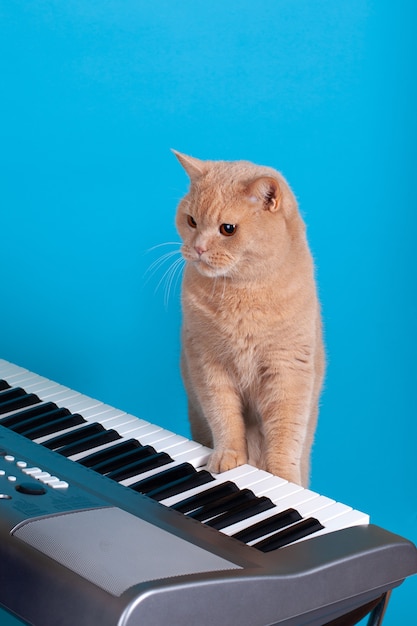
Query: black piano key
x=16, y=398
x=139, y=467
x=205, y=497
x=222, y=505
x=11, y=394
x=119, y=448
x=269, y=525
x=33, y=421
x=73, y=435
x=4, y=385
x=241, y=512
x=302, y=529
x=180, y=485
x=164, y=477
x=94, y=440
x=123, y=460
x=42, y=409
x=66, y=420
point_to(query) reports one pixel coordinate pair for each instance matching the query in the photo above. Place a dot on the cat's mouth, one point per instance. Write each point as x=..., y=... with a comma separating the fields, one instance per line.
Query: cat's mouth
x=205, y=264
x=204, y=267
x=207, y=268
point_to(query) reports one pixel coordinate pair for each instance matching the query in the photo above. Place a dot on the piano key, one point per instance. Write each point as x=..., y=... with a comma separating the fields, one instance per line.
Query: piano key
x=88, y=442
x=109, y=451
x=28, y=414
x=180, y=485
x=124, y=459
x=346, y=520
x=268, y=525
x=8, y=370
x=71, y=400
x=139, y=467
x=164, y=477
x=235, y=476
x=73, y=435
x=7, y=405
x=281, y=506
x=4, y=385
x=61, y=420
x=221, y=505
x=101, y=412
x=288, y=535
x=321, y=508
x=11, y=394
x=206, y=496
x=245, y=510
x=33, y=384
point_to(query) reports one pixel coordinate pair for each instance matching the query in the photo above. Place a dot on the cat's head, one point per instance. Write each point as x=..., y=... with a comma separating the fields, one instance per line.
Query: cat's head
x=235, y=221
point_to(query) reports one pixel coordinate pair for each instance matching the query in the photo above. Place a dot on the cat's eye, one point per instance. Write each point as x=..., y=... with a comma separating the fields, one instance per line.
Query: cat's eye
x=228, y=229
x=191, y=221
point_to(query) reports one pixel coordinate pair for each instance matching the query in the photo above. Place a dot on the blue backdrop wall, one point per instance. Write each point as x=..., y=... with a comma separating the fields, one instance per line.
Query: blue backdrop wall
x=93, y=96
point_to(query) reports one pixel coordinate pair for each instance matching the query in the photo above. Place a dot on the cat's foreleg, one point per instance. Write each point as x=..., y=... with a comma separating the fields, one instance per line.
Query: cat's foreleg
x=200, y=430
x=286, y=412
x=222, y=410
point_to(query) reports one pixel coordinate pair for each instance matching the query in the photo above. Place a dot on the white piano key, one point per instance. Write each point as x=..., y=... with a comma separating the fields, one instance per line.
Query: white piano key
x=281, y=492
x=101, y=412
x=153, y=437
x=76, y=403
x=24, y=380
x=140, y=428
x=311, y=508
x=8, y=370
x=197, y=457
x=61, y=397
x=117, y=423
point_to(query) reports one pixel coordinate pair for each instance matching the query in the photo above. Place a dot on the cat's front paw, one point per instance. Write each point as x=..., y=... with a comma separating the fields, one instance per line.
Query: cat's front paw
x=223, y=460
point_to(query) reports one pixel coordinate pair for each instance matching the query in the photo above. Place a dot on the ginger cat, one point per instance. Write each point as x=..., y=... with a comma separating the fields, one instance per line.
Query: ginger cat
x=252, y=349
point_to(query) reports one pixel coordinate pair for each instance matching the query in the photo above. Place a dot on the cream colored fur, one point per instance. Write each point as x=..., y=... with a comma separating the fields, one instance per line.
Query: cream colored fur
x=252, y=358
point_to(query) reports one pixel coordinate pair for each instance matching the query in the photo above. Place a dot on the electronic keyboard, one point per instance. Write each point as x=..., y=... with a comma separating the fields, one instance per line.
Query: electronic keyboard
x=106, y=519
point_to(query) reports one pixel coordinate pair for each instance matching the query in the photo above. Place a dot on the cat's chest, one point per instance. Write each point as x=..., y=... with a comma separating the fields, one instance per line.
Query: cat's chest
x=237, y=324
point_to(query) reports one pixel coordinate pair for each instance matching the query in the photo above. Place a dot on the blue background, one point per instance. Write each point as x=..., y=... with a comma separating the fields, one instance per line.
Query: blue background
x=93, y=96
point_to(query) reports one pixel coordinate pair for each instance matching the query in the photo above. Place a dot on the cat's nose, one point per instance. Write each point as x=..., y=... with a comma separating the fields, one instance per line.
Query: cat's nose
x=199, y=250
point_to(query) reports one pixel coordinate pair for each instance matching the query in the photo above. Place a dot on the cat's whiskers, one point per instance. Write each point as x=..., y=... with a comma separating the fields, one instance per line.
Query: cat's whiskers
x=171, y=274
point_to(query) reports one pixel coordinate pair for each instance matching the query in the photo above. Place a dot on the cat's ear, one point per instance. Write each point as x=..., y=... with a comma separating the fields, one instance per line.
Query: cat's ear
x=194, y=167
x=264, y=191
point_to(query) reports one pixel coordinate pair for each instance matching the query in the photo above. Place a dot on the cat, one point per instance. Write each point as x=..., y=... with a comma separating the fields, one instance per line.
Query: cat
x=252, y=349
